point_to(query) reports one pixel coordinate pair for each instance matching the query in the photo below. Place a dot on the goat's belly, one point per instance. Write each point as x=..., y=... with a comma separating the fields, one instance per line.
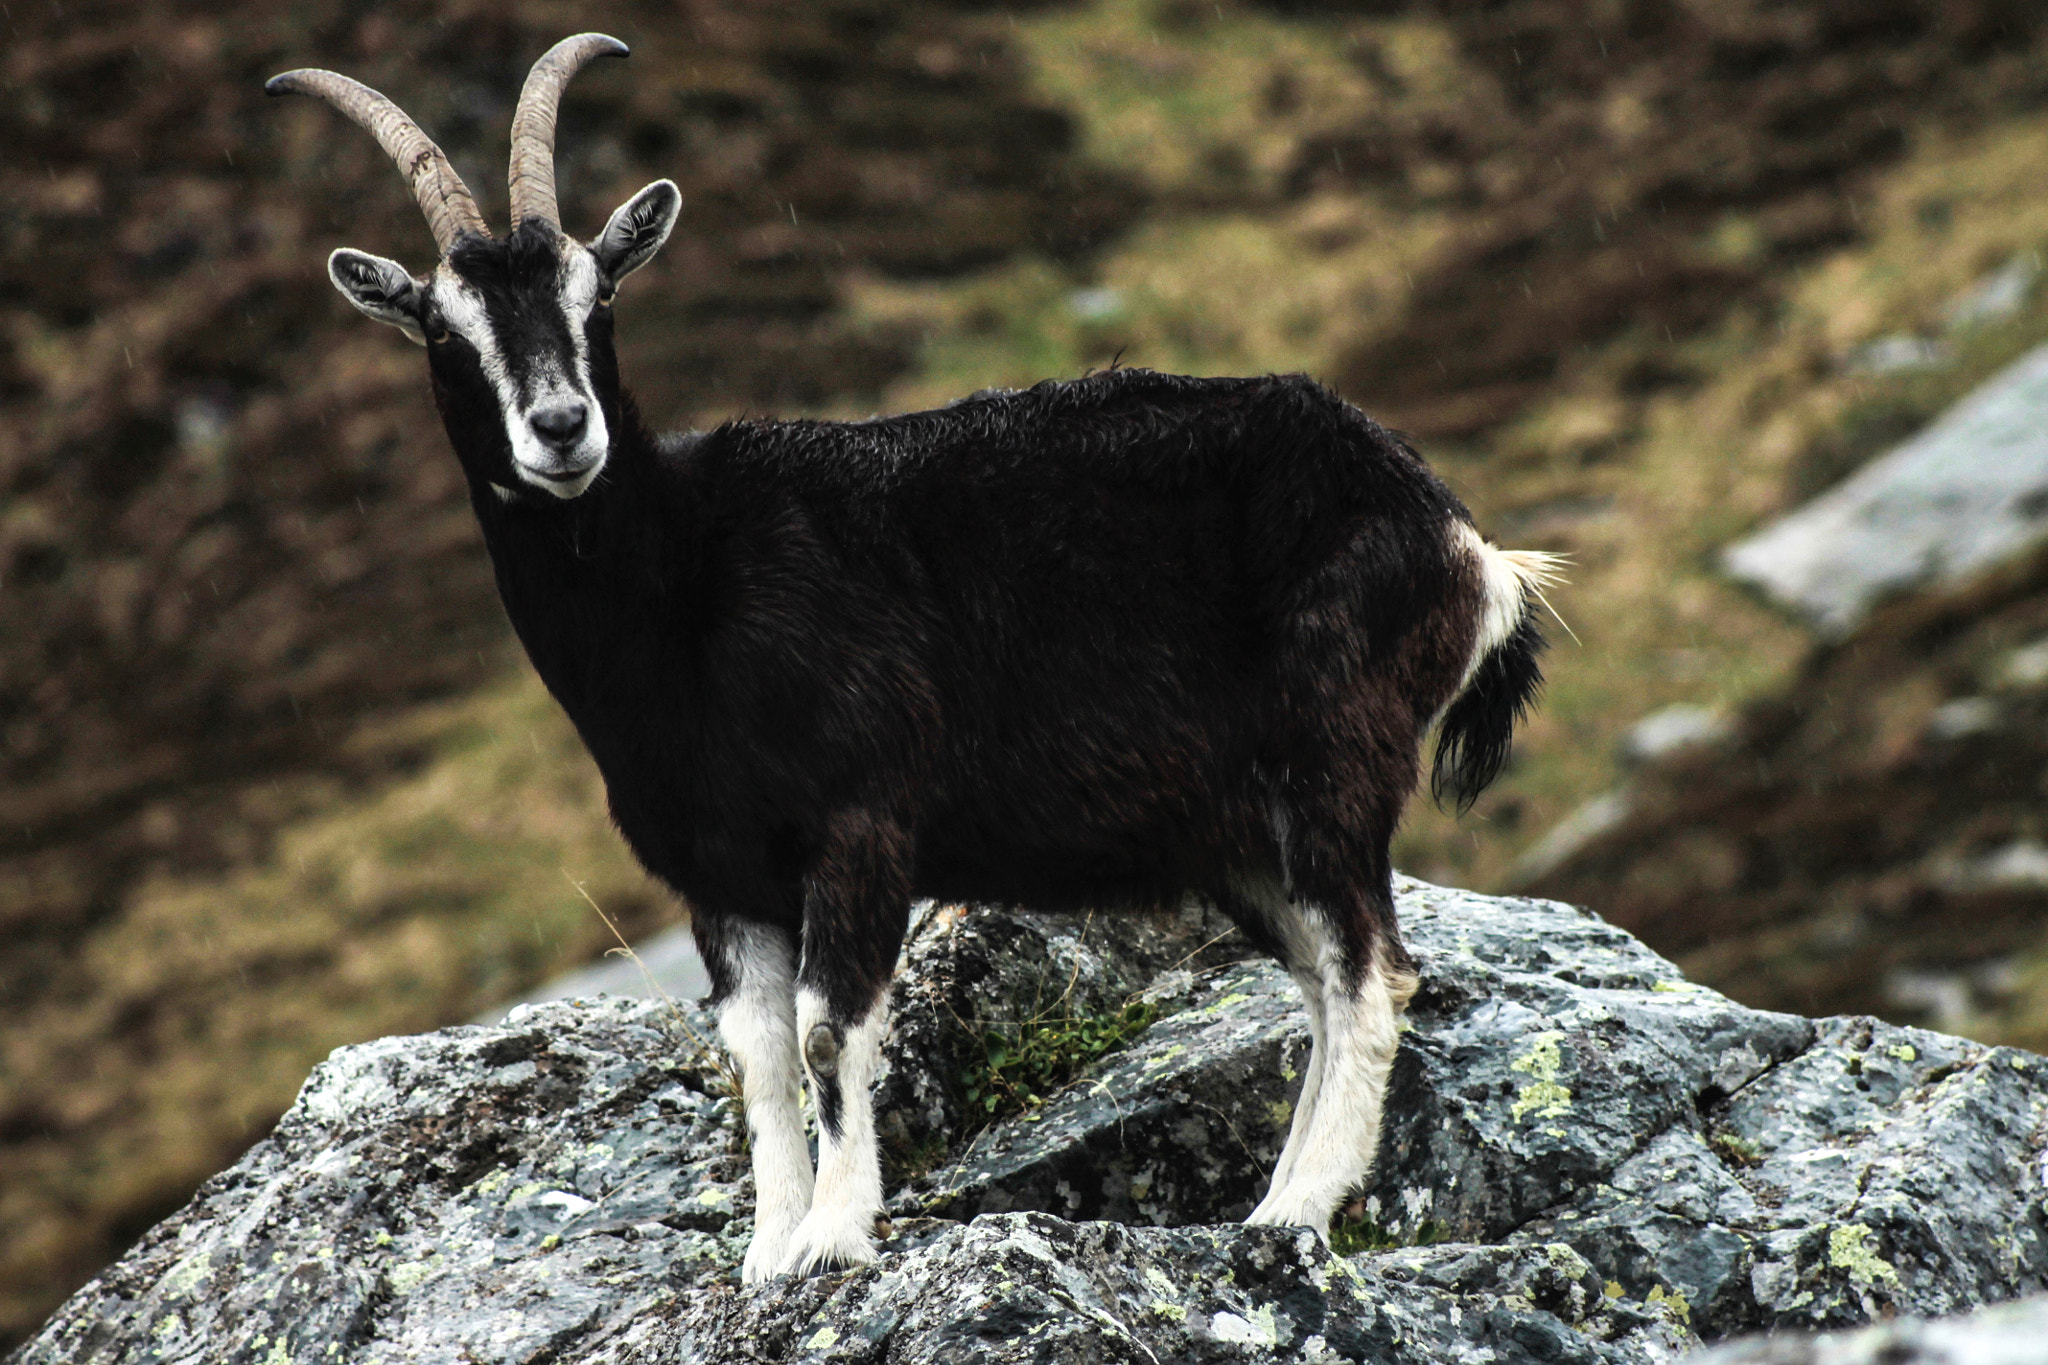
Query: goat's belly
x=1143, y=854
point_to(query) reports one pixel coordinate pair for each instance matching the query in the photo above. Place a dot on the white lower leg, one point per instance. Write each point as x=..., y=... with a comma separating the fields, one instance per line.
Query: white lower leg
x=1336, y=1151
x=758, y=1023
x=839, y=1230
x=1311, y=1077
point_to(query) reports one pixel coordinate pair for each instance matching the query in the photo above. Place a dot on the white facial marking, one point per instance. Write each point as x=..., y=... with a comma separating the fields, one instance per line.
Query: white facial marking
x=840, y=1228
x=758, y=1023
x=553, y=380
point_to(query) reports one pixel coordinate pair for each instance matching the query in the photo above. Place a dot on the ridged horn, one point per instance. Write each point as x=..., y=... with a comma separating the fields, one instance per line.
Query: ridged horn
x=449, y=206
x=533, y=126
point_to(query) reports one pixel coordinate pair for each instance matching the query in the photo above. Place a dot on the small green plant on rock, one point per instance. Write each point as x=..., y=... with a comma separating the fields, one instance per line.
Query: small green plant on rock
x=1355, y=1230
x=1022, y=1064
x=1737, y=1150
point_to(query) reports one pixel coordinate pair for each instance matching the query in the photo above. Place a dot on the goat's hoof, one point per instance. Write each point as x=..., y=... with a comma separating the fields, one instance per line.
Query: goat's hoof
x=765, y=1255
x=1285, y=1208
x=822, y=1245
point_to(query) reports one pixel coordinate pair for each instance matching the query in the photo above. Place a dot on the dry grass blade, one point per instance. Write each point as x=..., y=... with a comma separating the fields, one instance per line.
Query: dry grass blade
x=708, y=1053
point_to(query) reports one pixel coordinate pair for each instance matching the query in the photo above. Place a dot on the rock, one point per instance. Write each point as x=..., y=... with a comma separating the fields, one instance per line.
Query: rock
x=477, y=1193
x=2009, y=1334
x=1587, y=1159
x=1032, y=1287
x=1590, y=821
x=1995, y=297
x=1180, y=1127
x=1814, y=1197
x=1672, y=729
x=1896, y=352
x=666, y=964
x=1968, y=493
x=964, y=971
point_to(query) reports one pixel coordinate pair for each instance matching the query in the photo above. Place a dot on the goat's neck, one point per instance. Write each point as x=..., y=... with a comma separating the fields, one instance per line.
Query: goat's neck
x=583, y=579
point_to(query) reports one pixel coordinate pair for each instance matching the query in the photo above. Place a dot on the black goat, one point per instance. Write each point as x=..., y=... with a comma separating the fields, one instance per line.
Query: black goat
x=1111, y=641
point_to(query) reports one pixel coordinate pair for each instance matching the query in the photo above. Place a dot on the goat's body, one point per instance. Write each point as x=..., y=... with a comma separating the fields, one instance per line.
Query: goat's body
x=1068, y=638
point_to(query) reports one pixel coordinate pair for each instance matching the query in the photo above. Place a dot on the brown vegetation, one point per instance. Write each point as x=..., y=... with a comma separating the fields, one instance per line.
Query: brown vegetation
x=1640, y=167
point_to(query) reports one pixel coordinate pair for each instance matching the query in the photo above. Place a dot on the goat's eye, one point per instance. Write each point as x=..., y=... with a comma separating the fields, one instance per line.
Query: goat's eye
x=606, y=295
x=440, y=334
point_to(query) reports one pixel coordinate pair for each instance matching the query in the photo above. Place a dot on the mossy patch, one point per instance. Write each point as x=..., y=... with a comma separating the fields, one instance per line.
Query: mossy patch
x=1852, y=1247
x=1349, y=1236
x=1543, y=1063
x=1671, y=1301
x=1736, y=1150
x=1021, y=1065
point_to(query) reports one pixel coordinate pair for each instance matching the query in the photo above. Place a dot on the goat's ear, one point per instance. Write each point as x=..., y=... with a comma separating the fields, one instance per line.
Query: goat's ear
x=380, y=289
x=637, y=230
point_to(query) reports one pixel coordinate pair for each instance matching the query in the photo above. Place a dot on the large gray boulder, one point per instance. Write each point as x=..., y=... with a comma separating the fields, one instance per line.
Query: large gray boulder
x=1587, y=1159
x=1968, y=493
x=663, y=965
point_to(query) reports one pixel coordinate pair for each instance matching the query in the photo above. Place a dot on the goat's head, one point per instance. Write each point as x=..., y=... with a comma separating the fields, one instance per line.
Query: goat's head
x=519, y=327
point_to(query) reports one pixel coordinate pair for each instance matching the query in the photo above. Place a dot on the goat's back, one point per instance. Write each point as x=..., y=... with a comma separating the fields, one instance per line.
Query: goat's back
x=1083, y=608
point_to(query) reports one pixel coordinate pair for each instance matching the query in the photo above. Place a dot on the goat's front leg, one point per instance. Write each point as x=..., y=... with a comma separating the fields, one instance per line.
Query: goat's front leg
x=753, y=978
x=856, y=912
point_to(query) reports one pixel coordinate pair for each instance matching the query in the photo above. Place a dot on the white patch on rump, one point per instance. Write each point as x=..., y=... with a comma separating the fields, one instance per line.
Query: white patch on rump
x=1512, y=582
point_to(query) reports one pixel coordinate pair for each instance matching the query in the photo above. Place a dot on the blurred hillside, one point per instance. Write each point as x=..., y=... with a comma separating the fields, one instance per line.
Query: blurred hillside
x=1869, y=839
x=239, y=580
x=275, y=778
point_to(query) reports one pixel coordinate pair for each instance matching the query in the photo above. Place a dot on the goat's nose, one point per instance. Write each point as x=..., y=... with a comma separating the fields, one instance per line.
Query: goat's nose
x=561, y=426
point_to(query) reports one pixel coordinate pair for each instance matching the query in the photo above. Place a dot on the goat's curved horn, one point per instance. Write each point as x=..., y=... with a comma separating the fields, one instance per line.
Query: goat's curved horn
x=449, y=206
x=533, y=126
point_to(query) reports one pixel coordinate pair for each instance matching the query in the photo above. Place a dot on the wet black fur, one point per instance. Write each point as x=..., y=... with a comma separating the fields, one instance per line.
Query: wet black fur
x=1074, y=645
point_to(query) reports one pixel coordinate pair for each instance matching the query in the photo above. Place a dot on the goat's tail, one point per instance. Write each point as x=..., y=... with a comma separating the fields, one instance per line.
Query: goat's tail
x=1504, y=676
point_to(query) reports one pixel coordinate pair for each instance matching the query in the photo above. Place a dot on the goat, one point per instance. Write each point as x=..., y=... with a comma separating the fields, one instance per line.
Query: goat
x=1110, y=641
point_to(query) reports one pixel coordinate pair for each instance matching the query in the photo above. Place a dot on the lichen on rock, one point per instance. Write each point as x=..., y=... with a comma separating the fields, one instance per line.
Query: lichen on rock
x=1622, y=1166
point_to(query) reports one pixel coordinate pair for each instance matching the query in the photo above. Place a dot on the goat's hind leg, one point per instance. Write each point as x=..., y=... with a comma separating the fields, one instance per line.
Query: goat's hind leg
x=1260, y=907
x=1311, y=1079
x=1355, y=980
x=753, y=977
